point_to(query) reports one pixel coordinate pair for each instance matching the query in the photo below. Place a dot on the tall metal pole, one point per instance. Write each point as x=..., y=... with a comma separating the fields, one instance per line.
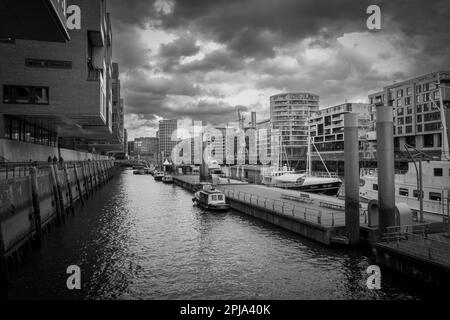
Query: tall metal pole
x=386, y=174
x=420, y=190
x=351, y=164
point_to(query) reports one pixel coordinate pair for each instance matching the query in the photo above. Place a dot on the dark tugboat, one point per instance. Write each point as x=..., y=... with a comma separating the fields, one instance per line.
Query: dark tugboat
x=210, y=198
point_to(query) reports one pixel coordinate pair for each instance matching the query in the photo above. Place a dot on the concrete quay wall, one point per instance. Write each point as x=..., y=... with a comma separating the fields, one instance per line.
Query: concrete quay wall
x=32, y=205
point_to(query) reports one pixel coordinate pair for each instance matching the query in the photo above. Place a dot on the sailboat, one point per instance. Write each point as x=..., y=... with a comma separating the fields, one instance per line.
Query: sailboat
x=309, y=181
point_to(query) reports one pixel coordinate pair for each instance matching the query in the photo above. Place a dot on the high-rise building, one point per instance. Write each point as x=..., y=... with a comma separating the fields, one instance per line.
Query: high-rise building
x=146, y=146
x=125, y=142
x=417, y=114
x=289, y=113
x=57, y=94
x=167, y=138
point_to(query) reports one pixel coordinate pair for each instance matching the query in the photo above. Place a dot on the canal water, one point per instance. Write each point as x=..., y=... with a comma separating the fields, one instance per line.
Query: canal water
x=141, y=239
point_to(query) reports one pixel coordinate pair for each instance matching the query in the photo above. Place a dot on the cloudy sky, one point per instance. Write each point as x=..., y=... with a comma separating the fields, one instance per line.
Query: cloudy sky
x=203, y=59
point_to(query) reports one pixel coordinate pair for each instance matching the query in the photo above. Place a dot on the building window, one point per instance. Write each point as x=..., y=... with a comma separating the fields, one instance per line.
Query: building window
x=19, y=130
x=399, y=102
x=435, y=196
x=375, y=187
x=408, y=119
x=400, y=93
x=400, y=121
x=437, y=172
x=432, y=127
x=25, y=95
x=436, y=95
x=407, y=101
x=426, y=87
x=408, y=129
x=400, y=111
x=400, y=130
x=419, y=128
x=40, y=63
x=403, y=192
x=418, y=89
x=428, y=141
x=408, y=91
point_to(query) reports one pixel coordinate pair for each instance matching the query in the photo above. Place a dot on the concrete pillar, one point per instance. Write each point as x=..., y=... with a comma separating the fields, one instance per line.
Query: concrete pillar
x=386, y=174
x=351, y=164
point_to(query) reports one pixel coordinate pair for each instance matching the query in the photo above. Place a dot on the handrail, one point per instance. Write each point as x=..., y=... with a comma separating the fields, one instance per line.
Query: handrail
x=288, y=208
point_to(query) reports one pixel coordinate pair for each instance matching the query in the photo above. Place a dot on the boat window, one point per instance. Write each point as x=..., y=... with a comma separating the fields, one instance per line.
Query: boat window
x=435, y=196
x=403, y=192
x=220, y=197
x=362, y=182
x=375, y=186
x=438, y=172
x=214, y=197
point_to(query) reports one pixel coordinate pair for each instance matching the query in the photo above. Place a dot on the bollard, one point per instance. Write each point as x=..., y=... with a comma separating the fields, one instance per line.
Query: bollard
x=36, y=205
x=385, y=154
x=69, y=189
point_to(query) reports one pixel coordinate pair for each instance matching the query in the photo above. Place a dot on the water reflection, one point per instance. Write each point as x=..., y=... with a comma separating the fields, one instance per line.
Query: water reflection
x=141, y=239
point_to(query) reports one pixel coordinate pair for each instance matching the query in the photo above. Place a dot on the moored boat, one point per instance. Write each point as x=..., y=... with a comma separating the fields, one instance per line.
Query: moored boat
x=158, y=176
x=210, y=198
x=167, y=179
x=138, y=170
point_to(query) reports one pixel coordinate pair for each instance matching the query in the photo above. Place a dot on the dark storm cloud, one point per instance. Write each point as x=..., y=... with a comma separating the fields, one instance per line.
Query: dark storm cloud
x=127, y=13
x=253, y=28
x=181, y=47
x=257, y=29
x=140, y=82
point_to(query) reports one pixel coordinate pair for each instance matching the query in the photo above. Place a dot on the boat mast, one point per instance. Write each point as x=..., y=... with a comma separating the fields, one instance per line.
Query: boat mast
x=308, y=154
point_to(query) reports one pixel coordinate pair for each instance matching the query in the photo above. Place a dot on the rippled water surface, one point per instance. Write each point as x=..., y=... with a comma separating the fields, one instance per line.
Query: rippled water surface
x=141, y=239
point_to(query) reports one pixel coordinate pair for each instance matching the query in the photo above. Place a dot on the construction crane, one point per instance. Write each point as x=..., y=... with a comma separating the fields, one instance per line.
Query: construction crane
x=241, y=119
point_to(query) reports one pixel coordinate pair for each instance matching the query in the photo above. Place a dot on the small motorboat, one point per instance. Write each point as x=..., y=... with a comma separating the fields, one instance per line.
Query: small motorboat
x=167, y=179
x=158, y=176
x=139, y=170
x=210, y=198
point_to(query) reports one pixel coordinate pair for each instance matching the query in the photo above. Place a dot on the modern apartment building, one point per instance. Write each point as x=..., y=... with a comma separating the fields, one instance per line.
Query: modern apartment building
x=167, y=128
x=327, y=133
x=289, y=113
x=58, y=94
x=417, y=114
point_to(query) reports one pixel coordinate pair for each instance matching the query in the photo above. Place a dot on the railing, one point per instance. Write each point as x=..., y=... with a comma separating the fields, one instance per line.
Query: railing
x=317, y=216
x=415, y=240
